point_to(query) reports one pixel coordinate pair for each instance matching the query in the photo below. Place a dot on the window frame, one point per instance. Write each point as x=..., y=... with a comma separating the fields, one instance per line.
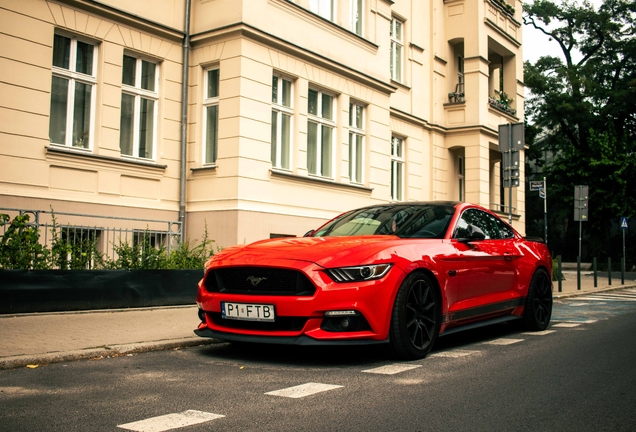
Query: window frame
x=73, y=77
x=316, y=6
x=210, y=101
x=397, y=160
x=356, y=16
x=356, y=164
x=279, y=109
x=397, y=49
x=461, y=178
x=322, y=122
x=139, y=93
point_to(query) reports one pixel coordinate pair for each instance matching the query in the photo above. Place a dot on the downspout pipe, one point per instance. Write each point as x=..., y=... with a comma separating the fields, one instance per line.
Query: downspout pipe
x=184, y=121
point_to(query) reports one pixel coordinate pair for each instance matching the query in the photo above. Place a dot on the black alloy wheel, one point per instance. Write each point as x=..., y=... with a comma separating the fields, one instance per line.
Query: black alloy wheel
x=416, y=318
x=538, y=306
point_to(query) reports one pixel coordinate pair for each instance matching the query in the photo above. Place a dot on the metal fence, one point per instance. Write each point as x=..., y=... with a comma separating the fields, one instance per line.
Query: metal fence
x=87, y=237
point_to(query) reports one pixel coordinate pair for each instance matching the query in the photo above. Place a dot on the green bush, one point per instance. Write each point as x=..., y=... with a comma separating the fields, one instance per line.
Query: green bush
x=76, y=249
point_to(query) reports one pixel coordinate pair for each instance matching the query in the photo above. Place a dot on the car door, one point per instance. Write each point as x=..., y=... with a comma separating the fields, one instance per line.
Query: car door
x=481, y=272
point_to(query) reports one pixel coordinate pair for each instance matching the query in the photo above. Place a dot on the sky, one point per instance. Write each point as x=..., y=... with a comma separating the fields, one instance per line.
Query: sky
x=536, y=44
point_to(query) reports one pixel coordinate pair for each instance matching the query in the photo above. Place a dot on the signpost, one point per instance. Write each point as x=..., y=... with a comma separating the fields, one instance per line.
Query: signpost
x=581, y=193
x=511, y=141
x=624, y=227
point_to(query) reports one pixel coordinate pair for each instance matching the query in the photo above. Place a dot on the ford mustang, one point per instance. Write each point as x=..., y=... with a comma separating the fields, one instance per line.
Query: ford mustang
x=399, y=274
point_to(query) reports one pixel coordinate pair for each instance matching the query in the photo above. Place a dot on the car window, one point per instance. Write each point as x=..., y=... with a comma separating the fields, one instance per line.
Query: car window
x=504, y=230
x=404, y=220
x=482, y=220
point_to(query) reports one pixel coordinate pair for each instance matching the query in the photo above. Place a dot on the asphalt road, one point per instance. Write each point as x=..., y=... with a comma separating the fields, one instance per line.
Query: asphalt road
x=580, y=375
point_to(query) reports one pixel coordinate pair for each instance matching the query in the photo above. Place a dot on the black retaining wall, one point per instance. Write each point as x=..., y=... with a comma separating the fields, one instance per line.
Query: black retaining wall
x=26, y=291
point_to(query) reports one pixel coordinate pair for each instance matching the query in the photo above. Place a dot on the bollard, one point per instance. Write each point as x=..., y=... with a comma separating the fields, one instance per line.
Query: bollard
x=609, y=270
x=559, y=275
x=594, y=264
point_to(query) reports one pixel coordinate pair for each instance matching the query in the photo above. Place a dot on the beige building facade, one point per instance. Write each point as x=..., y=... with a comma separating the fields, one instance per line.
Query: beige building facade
x=294, y=111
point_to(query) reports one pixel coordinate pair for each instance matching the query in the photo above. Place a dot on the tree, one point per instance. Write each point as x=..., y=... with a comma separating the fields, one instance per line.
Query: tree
x=583, y=108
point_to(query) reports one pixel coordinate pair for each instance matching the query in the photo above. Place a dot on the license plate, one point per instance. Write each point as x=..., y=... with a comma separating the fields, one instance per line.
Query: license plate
x=247, y=312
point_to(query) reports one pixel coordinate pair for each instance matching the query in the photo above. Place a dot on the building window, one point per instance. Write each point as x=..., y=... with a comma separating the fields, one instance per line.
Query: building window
x=397, y=48
x=72, y=92
x=282, y=112
x=460, y=178
x=320, y=129
x=397, y=168
x=138, y=107
x=211, y=116
x=356, y=12
x=324, y=8
x=356, y=142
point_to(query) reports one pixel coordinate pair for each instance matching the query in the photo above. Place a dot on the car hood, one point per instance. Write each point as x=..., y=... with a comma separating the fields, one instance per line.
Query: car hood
x=324, y=251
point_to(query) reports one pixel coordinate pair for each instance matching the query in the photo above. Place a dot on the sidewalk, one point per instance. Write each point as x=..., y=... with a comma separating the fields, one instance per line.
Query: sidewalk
x=41, y=338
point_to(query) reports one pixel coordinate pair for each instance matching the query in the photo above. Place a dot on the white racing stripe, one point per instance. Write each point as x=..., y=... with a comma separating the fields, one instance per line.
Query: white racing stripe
x=303, y=390
x=454, y=353
x=503, y=341
x=392, y=369
x=170, y=421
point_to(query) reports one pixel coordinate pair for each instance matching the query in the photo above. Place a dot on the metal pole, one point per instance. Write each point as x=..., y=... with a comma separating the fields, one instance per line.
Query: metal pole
x=510, y=173
x=578, y=273
x=559, y=273
x=623, y=261
x=609, y=270
x=183, y=163
x=595, y=268
x=545, y=211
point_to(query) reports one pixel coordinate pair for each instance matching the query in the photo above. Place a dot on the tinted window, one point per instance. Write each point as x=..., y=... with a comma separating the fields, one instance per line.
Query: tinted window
x=414, y=221
x=504, y=230
x=482, y=220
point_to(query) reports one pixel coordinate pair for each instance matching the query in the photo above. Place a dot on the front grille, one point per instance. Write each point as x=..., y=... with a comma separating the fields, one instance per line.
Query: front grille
x=281, y=323
x=259, y=281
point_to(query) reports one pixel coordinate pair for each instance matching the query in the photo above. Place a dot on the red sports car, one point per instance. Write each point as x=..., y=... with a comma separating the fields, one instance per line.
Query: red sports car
x=400, y=274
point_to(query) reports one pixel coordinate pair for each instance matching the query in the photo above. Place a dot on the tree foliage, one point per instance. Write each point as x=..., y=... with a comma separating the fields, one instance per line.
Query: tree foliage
x=582, y=111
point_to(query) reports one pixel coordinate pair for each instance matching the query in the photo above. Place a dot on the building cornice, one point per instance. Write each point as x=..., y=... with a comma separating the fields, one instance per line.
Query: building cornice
x=114, y=14
x=245, y=30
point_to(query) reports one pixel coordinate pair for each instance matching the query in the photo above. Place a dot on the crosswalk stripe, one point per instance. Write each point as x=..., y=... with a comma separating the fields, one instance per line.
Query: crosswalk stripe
x=170, y=421
x=566, y=324
x=454, y=353
x=392, y=369
x=303, y=390
x=503, y=341
x=540, y=333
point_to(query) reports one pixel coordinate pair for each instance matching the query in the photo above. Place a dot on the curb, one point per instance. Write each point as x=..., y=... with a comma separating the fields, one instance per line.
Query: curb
x=562, y=295
x=15, y=362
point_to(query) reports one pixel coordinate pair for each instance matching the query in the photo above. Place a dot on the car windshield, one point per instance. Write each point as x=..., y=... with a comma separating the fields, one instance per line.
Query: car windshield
x=407, y=221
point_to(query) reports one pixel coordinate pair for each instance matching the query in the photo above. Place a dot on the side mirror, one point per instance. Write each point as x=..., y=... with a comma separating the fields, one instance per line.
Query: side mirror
x=473, y=233
x=309, y=233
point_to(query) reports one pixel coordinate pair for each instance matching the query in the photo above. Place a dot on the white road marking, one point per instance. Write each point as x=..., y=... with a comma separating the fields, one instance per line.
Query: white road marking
x=303, y=390
x=503, y=341
x=392, y=369
x=454, y=353
x=170, y=421
x=606, y=298
x=566, y=325
x=540, y=333
x=578, y=304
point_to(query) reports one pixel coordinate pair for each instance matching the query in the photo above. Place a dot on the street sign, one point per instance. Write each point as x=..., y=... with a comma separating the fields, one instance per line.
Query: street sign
x=541, y=193
x=624, y=223
x=536, y=185
x=580, y=203
x=518, y=137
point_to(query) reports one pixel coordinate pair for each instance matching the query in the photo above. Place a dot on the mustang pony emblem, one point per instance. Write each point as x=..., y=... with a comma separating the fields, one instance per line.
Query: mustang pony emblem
x=255, y=280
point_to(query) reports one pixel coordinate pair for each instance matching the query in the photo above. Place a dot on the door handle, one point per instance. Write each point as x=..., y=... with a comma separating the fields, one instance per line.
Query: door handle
x=508, y=256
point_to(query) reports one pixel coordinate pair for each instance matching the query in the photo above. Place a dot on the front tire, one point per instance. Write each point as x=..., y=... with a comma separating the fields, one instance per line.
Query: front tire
x=416, y=318
x=538, y=306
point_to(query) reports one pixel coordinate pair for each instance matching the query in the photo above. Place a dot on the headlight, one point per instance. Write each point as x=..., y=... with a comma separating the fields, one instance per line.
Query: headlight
x=358, y=273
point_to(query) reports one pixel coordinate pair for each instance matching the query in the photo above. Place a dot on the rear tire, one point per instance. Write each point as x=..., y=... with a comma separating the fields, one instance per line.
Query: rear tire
x=538, y=306
x=416, y=318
